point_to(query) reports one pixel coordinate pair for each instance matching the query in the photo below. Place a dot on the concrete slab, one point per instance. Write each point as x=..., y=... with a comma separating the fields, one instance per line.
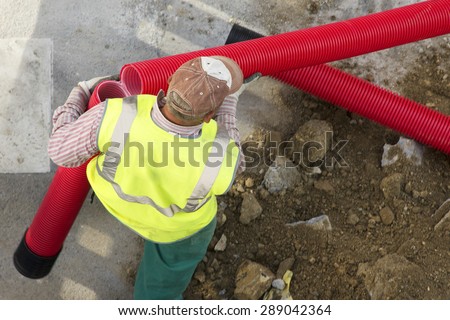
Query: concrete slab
x=25, y=92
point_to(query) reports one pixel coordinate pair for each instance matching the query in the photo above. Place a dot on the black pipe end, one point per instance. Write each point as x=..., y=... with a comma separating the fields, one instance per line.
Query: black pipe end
x=30, y=264
x=239, y=33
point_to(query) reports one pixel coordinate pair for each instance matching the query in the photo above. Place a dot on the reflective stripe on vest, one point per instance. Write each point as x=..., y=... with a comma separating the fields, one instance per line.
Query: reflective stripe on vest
x=200, y=191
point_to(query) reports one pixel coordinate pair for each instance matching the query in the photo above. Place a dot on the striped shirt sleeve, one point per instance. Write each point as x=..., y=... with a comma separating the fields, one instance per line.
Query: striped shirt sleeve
x=226, y=116
x=74, y=135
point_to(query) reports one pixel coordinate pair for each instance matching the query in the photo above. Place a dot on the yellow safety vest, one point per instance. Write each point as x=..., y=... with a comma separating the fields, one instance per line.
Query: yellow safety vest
x=160, y=185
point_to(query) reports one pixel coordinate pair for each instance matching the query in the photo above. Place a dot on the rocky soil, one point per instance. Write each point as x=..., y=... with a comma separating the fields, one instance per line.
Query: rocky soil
x=376, y=232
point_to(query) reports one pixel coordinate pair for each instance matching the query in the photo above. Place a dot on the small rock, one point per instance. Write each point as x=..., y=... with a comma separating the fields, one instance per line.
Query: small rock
x=394, y=277
x=240, y=188
x=419, y=194
x=387, y=216
x=278, y=284
x=324, y=185
x=263, y=193
x=416, y=209
x=221, y=219
x=317, y=223
x=312, y=172
x=391, y=185
x=281, y=175
x=222, y=292
x=312, y=141
x=221, y=245
x=252, y=280
x=409, y=249
x=409, y=187
x=406, y=149
x=352, y=218
x=284, y=266
x=215, y=264
x=222, y=206
x=249, y=182
x=200, y=276
x=250, y=208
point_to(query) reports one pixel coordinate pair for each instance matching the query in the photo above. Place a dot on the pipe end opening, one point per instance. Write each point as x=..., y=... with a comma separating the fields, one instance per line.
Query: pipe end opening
x=30, y=264
x=111, y=89
x=131, y=80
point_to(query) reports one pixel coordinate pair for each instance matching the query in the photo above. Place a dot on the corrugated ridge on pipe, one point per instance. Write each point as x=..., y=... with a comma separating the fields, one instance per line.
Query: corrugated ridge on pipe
x=306, y=47
x=364, y=98
x=268, y=55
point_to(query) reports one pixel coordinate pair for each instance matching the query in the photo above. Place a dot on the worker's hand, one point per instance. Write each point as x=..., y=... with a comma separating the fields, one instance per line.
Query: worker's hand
x=247, y=82
x=89, y=85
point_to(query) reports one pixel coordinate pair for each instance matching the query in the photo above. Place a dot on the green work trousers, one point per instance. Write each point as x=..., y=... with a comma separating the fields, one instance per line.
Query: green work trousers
x=166, y=269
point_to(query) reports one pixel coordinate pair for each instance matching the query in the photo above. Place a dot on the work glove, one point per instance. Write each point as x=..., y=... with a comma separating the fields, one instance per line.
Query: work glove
x=246, y=83
x=88, y=86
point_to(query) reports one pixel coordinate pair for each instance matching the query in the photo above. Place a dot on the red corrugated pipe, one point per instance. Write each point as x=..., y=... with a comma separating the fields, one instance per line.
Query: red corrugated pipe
x=301, y=48
x=41, y=244
x=375, y=103
x=364, y=98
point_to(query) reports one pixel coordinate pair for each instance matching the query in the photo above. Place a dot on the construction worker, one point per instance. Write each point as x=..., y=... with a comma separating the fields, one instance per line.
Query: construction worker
x=159, y=162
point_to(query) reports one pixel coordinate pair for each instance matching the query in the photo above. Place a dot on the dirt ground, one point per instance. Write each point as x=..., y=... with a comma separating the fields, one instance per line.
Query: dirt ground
x=365, y=255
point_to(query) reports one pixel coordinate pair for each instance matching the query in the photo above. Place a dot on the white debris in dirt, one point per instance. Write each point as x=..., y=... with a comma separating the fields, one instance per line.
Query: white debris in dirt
x=411, y=150
x=312, y=171
x=317, y=223
x=221, y=245
x=278, y=284
x=221, y=217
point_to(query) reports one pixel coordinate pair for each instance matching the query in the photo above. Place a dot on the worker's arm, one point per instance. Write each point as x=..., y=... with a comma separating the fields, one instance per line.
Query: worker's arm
x=74, y=135
x=226, y=117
